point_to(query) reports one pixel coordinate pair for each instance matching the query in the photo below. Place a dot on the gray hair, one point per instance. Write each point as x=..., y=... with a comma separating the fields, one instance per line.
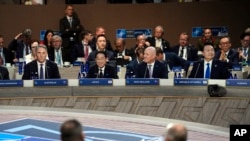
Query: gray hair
x=41, y=46
x=56, y=37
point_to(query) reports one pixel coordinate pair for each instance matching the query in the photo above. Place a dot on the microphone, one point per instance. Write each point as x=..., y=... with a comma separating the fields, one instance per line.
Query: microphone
x=1, y=76
x=145, y=73
x=46, y=69
x=197, y=70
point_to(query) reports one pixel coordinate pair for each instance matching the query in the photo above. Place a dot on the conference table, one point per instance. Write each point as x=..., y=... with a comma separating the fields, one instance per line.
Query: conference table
x=65, y=72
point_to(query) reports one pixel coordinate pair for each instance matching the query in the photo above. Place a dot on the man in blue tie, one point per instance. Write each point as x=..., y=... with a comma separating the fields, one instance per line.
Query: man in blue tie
x=209, y=68
x=41, y=68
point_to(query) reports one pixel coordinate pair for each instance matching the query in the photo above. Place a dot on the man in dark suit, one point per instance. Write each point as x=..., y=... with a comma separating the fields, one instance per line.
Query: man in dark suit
x=184, y=49
x=158, y=41
x=101, y=46
x=226, y=54
x=209, y=68
x=6, y=55
x=100, y=31
x=4, y=73
x=244, y=50
x=131, y=67
x=122, y=55
x=70, y=28
x=57, y=53
x=170, y=59
x=41, y=68
x=150, y=67
x=83, y=48
x=102, y=69
x=21, y=44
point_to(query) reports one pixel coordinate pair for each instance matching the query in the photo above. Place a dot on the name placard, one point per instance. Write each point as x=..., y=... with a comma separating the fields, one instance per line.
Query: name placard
x=176, y=69
x=192, y=82
x=51, y=82
x=11, y=83
x=96, y=81
x=237, y=68
x=238, y=82
x=142, y=81
x=77, y=63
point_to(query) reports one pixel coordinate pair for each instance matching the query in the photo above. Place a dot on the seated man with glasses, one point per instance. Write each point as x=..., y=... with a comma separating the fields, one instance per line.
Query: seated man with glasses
x=102, y=69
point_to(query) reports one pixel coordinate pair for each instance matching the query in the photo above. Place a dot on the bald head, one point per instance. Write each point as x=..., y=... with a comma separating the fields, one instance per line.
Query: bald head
x=176, y=132
x=149, y=55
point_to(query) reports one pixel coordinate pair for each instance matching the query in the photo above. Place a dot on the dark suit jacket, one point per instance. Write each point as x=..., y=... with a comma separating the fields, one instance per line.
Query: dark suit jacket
x=110, y=55
x=233, y=57
x=109, y=72
x=108, y=44
x=191, y=52
x=18, y=47
x=159, y=70
x=65, y=55
x=218, y=70
x=121, y=61
x=31, y=70
x=248, y=52
x=74, y=31
x=8, y=55
x=4, y=73
x=78, y=51
x=164, y=43
x=173, y=59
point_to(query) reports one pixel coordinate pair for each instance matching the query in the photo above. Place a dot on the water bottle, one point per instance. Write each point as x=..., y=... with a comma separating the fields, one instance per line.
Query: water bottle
x=79, y=75
x=20, y=68
x=175, y=75
x=86, y=67
x=231, y=76
x=82, y=68
x=235, y=76
x=179, y=75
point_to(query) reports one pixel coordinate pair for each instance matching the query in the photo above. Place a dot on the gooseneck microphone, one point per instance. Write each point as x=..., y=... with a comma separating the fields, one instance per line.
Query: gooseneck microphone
x=46, y=70
x=145, y=73
x=1, y=76
x=197, y=70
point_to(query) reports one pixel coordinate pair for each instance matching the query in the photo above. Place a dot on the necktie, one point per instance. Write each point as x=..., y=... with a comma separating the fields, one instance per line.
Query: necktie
x=207, y=75
x=1, y=56
x=58, y=58
x=27, y=49
x=86, y=51
x=41, y=71
x=150, y=71
x=182, y=51
x=100, y=73
x=70, y=21
x=245, y=52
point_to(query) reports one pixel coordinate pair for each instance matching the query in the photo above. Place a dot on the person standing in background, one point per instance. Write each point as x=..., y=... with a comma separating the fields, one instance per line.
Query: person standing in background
x=70, y=28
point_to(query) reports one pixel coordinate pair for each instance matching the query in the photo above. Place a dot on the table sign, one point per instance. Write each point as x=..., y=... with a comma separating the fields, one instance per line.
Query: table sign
x=142, y=81
x=96, y=81
x=191, y=81
x=11, y=83
x=50, y=82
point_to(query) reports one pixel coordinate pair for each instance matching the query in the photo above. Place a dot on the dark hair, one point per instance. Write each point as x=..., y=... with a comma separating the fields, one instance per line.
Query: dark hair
x=158, y=51
x=101, y=52
x=1, y=36
x=225, y=37
x=139, y=51
x=123, y=41
x=207, y=44
x=84, y=33
x=243, y=35
x=101, y=35
x=45, y=40
x=71, y=130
